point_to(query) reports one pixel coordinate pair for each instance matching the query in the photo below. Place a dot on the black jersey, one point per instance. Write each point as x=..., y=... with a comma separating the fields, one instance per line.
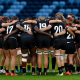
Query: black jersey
x=78, y=35
x=43, y=24
x=57, y=28
x=1, y=27
x=27, y=27
x=9, y=29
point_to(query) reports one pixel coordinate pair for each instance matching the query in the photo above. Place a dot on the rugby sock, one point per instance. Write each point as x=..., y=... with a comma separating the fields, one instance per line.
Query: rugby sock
x=20, y=66
x=70, y=67
x=7, y=71
x=40, y=69
x=66, y=66
x=53, y=62
x=1, y=67
x=73, y=68
x=78, y=69
x=12, y=71
x=45, y=70
x=24, y=70
x=28, y=64
x=60, y=70
x=48, y=63
x=33, y=68
x=16, y=67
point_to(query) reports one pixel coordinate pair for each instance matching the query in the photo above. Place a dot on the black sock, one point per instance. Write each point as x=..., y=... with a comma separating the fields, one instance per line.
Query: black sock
x=16, y=67
x=37, y=68
x=24, y=70
x=40, y=69
x=45, y=69
x=60, y=70
x=20, y=67
x=12, y=71
x=33, y=69
x=70, y=67
x=53, y=62
x=78, y=69
x=7, y=71
x=28, y=67
x=1, y=67
x=66, y=67
x=73, y=68
x=48, y=63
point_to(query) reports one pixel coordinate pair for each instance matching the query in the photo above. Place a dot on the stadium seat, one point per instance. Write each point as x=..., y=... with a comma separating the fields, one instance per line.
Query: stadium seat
x=13, y=7
x=38, y=14
x=1, y=7
x=6, y=14
x=68, y=11
x=12, y=1
x=16, y=3
x=48, y=10
x=75, y=11
x=62, y=10
x=71, y=1
x=56, y=3
x=1, y=1
x=42, y=10
x=9, y=10
x=76, y=17
x=19, y=6
x=53, y=7
x=45, y=6
x=77, y=1
x=62, y=4
x=23, y=3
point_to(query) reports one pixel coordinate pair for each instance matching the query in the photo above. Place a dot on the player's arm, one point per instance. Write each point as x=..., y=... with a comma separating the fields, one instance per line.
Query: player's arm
x=13, y=32
x=47, y=28
x=7, y=24
x=61, y=33
x=30, y=21
x=70, y=31
x=2, y=29
x=41, y=32
x=55, y=21
x=77, y=32
x=22, y=29
x=72, y=28
x=77, y=25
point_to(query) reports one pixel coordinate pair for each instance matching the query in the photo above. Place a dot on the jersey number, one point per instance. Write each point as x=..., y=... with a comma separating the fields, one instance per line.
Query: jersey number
x=9, y=29
x=69, y=36
x=58, y=29
x=27, y=27
x=42, y=25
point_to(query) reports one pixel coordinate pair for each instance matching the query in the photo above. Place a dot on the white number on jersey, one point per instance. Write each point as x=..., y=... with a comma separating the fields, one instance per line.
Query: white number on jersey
x=9, y=29
x=42, y=25
x=69, y=36
x=58, y=29
x=27, y=27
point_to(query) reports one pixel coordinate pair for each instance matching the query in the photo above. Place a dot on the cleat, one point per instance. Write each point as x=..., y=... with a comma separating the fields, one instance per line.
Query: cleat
x=75, y=72
x=2, y=71
x=7, y=73
x=24, y=74
x=28, y=70
x=17, y=71
x=53, y=70
x=47, y=70
x=33, y=73
x=14, y=74
x=67, y=73
x=21, y=70
x=60, y=74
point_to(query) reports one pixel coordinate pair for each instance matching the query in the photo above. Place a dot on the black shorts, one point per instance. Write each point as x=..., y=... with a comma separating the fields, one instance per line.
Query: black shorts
x=42, y=41
x=51, y=41
x=27, y=43
x=60, y=44
x=10, y=43
x=70, y=48
x=1, y=42
x=18, y=41
x=79, y=44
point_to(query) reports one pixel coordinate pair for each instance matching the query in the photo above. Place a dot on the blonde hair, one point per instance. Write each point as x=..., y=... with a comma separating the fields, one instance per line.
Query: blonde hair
x=41, y=18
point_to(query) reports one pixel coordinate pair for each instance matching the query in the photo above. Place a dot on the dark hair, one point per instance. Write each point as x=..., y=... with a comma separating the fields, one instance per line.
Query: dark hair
x=14, y=18
x=6, y=18
x=52, y=18
x=59, y=17
x=34, y=17
x=71, y=14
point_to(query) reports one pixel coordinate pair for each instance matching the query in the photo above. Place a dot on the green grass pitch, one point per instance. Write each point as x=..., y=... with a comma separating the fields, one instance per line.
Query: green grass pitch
x=49, y=76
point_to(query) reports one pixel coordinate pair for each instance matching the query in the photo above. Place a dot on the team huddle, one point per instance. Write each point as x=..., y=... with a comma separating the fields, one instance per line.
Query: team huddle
x=32, y=38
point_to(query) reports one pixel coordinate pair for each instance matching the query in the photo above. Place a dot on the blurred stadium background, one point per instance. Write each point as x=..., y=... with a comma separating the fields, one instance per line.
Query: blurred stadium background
x=44, y=8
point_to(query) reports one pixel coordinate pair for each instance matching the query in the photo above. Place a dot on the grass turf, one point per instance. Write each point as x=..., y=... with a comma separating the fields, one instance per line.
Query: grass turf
x=49, y=76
